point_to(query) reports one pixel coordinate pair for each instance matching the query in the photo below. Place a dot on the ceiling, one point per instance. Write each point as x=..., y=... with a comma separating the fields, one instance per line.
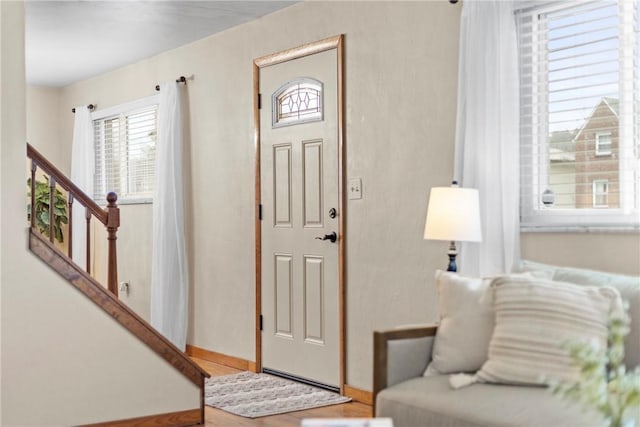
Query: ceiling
x=67, y=41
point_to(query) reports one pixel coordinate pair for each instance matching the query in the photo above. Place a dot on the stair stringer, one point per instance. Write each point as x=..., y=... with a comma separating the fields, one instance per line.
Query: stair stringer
x=122, y=314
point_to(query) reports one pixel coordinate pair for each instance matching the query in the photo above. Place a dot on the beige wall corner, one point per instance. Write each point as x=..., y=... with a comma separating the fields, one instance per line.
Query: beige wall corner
x=64, y=361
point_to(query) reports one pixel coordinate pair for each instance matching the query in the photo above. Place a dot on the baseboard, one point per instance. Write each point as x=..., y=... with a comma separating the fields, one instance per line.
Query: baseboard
x=221, y=359
x=358, y=395
x=191, y=417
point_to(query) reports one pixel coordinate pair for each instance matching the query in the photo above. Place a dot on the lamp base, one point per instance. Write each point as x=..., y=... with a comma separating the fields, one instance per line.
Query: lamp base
x=452, y=258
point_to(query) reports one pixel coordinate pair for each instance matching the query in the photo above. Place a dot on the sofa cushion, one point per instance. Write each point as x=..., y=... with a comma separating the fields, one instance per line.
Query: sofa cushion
x=466, y=324
x=430, y=401
x=628, y=286
x=465, y=328
x=534, y=318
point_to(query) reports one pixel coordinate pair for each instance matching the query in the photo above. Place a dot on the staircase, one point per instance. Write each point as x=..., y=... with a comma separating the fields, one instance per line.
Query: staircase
x=42, y=245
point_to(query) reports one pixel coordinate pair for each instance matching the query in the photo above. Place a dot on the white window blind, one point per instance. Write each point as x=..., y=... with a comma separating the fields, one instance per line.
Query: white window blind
x=125, y=154
x=579, y=117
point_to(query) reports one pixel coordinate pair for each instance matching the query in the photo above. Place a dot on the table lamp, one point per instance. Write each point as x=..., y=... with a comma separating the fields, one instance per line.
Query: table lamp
x=453, y=214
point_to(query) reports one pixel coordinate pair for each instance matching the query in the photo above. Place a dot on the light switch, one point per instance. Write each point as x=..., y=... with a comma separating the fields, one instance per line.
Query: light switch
x=355, y=189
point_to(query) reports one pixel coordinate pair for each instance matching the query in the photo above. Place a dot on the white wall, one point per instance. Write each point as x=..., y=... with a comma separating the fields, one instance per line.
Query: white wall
x=614, y=252
x=44, y=119
x=64, y=361
x=134, y=256
x=401, y=72
x=401, y=66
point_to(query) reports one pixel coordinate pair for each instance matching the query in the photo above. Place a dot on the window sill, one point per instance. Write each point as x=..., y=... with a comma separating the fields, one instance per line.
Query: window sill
x=580, y=229
x=147, y=201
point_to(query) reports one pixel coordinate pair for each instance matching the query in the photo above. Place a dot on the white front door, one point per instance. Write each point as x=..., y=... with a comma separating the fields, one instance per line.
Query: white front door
x=299, y=196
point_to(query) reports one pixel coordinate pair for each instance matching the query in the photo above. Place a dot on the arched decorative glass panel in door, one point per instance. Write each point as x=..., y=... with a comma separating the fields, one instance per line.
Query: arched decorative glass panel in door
x=297, y=101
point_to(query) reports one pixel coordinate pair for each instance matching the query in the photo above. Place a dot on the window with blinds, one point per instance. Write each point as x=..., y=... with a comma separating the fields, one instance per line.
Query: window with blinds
x=125, y=145
x=579, y=113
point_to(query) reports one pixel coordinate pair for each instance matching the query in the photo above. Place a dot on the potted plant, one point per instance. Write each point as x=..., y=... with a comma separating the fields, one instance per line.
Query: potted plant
x=42, y=217
x=604, y=383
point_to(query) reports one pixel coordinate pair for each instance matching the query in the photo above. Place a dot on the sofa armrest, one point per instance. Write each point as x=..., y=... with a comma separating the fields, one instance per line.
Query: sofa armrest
x=400, y=354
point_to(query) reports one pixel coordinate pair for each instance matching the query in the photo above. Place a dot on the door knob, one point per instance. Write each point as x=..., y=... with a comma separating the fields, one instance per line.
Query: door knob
x=331, y=236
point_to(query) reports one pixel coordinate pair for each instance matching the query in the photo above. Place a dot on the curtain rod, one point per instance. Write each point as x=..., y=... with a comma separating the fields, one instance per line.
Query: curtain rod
x=90, y=107
x=181, y=79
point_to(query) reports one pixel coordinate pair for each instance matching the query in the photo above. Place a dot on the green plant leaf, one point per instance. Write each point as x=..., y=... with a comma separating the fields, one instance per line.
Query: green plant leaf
x=42, y=198
x=44, y=218
x=604, y=384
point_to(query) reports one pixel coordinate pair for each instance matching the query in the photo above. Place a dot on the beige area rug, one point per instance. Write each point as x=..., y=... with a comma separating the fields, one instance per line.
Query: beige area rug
x=257, y=395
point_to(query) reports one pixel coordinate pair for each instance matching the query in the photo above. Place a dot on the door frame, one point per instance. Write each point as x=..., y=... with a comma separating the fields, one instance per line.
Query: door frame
x=335, y=42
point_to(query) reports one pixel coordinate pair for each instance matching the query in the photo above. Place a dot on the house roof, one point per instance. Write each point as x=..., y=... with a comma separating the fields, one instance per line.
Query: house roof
x=557, y=155
x=562, y=146
x=612, y=103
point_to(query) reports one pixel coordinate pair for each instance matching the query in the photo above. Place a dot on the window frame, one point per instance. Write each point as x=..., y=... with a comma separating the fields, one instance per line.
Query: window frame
x=599, y=151
x=595, y=193
x=125, y=109
x=277, y=122
x=545, y=219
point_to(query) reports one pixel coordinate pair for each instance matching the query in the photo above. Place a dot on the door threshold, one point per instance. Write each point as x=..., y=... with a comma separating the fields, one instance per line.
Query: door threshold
x=295, y=378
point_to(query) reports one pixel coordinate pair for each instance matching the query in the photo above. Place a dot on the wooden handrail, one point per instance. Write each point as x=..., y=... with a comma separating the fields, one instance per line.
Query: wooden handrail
x=67, y=184
x=109, y=217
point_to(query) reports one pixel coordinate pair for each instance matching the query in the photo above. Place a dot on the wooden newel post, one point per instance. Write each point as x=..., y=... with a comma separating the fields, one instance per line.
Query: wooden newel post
x=113, y=222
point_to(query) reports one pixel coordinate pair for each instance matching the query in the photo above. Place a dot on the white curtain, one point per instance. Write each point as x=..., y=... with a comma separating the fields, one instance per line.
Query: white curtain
x=487, y=132
x=169, y=272
x=82, y=168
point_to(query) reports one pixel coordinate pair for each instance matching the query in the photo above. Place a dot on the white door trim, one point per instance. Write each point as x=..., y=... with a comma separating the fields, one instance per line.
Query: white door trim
x=336, y=42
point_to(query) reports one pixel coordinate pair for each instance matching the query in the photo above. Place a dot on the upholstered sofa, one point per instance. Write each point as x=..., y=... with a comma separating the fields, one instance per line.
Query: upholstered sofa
x=403, y=392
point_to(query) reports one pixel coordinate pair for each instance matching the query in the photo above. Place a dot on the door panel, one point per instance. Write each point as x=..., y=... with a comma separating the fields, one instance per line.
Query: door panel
x=282, y=184
x=299, y=184
x=313, y=299
x=283, y=292
x=312, y=187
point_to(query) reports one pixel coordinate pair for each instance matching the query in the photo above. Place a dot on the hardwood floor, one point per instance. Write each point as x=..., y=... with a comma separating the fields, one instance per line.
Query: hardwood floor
x=219, y=418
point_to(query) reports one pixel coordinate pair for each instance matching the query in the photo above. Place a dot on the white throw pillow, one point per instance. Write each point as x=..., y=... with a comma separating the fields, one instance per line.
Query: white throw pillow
x=466, y=323
x=628, y=286
x=462, y=341
x=533, y=320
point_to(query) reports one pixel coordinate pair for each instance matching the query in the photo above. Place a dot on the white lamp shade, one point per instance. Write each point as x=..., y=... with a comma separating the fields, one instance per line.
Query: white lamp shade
x=453, y=214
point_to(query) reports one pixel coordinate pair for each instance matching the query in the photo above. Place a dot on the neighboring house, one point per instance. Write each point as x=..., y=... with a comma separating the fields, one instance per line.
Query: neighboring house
x=562, y=169
x=596, y=158
x=583, y=164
